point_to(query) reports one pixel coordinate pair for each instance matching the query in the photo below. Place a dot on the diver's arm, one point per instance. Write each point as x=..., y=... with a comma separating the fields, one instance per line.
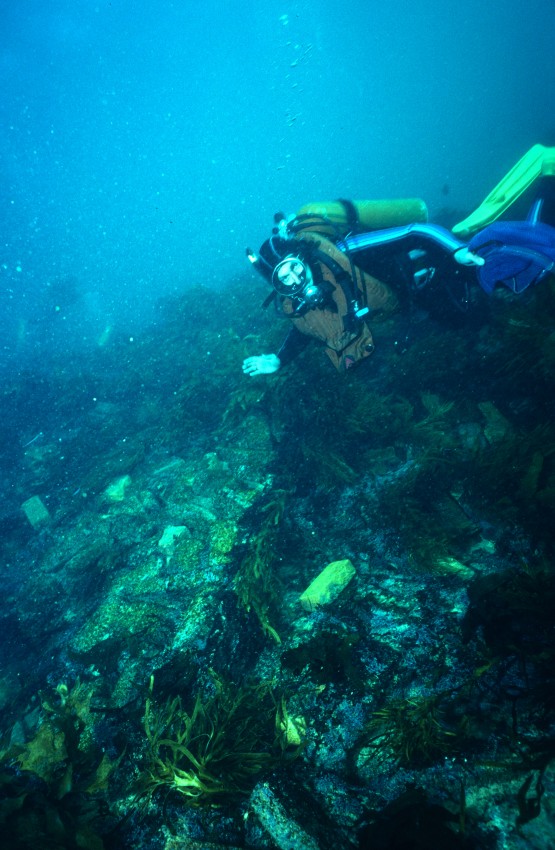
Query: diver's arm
x=433, y=233
x=292, y=345
x=267, y=364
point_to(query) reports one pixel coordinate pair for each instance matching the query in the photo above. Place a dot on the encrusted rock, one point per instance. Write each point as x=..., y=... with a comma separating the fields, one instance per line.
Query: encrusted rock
x=115, y=492
x=274, y=818
x=36, y=511
x=170, y=535
x=327, y=586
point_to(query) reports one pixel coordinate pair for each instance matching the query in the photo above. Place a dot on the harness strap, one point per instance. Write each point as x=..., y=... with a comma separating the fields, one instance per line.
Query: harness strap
x=350, y=213
x=268, y=300
x=345, y=281
x=305, y=220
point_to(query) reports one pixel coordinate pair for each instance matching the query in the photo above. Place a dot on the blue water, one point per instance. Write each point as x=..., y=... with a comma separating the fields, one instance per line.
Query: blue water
x=144, y=145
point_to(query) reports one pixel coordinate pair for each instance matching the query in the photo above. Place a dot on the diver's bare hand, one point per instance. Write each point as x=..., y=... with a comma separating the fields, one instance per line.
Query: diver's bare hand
x=263, y=364
x=467, y=258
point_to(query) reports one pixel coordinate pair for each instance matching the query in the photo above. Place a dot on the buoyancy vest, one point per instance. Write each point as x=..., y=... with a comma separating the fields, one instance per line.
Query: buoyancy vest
x=347, y=339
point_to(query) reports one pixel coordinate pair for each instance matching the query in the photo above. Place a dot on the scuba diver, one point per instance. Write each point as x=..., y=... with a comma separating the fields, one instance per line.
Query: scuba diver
x=319, y=261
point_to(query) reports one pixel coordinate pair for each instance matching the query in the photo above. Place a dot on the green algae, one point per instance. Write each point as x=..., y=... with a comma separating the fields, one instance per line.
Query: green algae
x=217, y=749
x=414, y=730
x=256, y=584
x=69, y=806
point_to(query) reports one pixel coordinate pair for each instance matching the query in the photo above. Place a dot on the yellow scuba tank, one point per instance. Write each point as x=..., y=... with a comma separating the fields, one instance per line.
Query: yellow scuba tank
x=367, y=215
x=538, y=162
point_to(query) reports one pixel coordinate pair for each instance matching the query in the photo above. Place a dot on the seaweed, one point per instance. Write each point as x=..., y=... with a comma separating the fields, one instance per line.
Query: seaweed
x=524, y=337
x=218, y=749
x=414, y=730
x=54, y=787
x=255, y=583
x=336, y=426
x=529, y=807
x=513, y=479
x=241, y=401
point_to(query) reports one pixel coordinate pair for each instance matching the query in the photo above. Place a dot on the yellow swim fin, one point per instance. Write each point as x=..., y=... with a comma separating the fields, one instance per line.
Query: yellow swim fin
x=539, y=161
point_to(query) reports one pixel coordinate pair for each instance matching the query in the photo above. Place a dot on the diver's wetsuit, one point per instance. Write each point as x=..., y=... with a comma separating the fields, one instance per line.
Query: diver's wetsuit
x=375, y=253
x=294, y=343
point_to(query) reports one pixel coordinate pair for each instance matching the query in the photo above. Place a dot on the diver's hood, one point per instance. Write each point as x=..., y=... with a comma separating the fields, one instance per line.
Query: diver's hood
x=271, y=252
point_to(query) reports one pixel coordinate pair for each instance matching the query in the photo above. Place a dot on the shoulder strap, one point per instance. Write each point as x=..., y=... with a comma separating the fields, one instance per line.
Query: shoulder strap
x=268, y=300
x=348, y=286
x=314, y=223
x=351, y=213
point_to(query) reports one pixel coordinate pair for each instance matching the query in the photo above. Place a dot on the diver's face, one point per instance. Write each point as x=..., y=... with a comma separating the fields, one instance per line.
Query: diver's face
x=292, y=274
